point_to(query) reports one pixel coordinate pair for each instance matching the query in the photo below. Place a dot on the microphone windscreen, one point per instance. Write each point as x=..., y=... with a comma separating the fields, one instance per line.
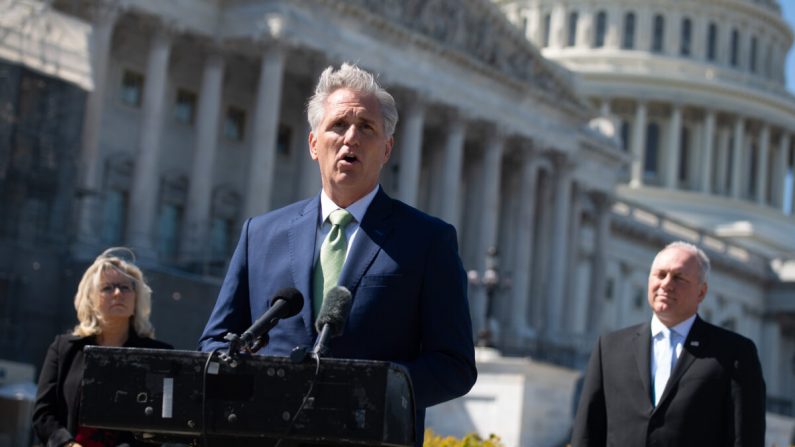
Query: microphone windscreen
x=334, y=310
x=294, y=301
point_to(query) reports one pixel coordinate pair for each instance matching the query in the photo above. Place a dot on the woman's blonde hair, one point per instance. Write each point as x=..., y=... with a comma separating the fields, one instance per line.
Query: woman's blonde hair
x=87, y=296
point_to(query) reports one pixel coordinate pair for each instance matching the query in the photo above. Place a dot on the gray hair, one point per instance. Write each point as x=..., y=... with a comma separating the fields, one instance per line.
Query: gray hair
x=350, y=77
x=702, y=258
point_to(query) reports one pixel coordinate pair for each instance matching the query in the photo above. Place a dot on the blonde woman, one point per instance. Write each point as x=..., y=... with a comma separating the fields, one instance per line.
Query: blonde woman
x=113, y=304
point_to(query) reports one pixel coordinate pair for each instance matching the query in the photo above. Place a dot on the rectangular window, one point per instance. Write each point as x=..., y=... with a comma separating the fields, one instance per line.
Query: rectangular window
x=735, y=48
x=684, y=48
x=752, y=56
x=572, y=38
x=712, y=42
x=684, y=154
x=185, y=106
x=628, y=42
x=652, y=143
x=114, y=217
x=168, y=230
x=235, y=124
x=625, y=135
x=132, y=86
x=601, y=29
x=658, y=35
x=220, y=238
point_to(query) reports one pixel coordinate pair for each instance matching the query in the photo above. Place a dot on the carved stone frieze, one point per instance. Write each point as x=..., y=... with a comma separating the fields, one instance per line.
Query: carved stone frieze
x=475, y=29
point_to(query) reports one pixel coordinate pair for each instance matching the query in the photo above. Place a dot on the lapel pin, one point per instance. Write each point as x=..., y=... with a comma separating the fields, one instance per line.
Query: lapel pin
x=694, y=343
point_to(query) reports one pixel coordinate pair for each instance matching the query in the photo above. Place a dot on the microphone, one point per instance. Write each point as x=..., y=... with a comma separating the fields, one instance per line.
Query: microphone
x=332, y=317
x=286, y=303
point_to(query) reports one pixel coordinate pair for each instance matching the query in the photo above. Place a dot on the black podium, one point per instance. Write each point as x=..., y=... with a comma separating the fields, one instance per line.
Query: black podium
x=165, y=396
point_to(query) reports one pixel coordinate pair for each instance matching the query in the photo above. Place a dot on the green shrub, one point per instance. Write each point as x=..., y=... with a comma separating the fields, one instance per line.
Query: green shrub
x=470, y=440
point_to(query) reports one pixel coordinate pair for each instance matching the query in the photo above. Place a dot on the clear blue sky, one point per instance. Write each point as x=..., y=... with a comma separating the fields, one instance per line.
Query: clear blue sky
x=788, y=9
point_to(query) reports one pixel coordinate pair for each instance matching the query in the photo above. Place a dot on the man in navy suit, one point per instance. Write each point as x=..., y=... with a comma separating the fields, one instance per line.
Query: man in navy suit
x=676, y=381
x=402, y=266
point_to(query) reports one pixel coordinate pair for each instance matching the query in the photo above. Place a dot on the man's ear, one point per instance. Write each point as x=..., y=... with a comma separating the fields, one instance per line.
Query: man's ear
x=312, y=144
x=703, y=292
x=389, y=143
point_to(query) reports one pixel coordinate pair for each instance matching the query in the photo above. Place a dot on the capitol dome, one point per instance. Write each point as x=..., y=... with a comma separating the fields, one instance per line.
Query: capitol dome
x=697, y=92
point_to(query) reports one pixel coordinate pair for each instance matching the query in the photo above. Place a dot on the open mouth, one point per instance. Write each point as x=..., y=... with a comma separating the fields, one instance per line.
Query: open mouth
x=349, y=158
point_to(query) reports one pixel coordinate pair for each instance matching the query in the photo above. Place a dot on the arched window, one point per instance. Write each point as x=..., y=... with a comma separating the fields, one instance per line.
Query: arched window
x=734, y=58
x=712, y=42
x=572, y=35
x=547, y=24
x=658, y=34
x=601, y=29
x=652, y=149
x=628, y=42
x=684, y=45
x=752, y=55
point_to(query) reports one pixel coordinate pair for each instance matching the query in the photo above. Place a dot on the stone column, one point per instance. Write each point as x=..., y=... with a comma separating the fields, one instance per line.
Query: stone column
x=721, y=176
x=411, y=150
x=523, y=262
x=146, y=176
x=643, y=29
x=571, y=320
x=103, y=21
x=557, y=26
x=265, y=126
x=451, y=177
x=559, y=247
x=613, y=36
x=673, y=33
x=599, y=262
x=585, y=28
x=197, y=212
x=737, y=157
x=674, y=151
x=782, y=166
x=489, y=212
x=535, y=23
x=638, y=145
x=762, y=165
x=698, y=40
x=706, y=151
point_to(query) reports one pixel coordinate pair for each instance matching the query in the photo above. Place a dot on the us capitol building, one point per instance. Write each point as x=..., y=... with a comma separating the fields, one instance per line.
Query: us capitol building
x=567, y=141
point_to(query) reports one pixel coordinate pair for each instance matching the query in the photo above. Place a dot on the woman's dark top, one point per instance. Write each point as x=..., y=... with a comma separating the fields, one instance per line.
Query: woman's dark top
x=55, y=414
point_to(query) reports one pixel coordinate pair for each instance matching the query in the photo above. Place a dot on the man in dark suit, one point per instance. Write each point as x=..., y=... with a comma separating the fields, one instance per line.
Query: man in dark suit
x=676, y=381
x=402, y=266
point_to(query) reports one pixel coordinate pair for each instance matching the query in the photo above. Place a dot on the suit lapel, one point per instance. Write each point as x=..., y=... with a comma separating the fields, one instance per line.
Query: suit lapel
x=302, y=236
x=372, y=233
x=642, y=348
